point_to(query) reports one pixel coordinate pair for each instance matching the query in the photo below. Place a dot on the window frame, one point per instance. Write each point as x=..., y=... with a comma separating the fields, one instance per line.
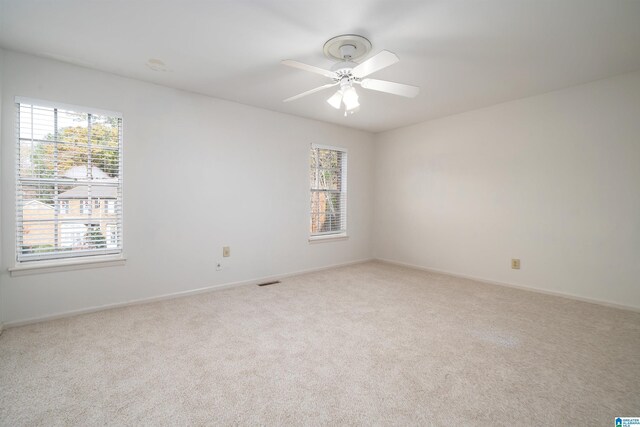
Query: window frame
x=341, y=234
x=59, y=261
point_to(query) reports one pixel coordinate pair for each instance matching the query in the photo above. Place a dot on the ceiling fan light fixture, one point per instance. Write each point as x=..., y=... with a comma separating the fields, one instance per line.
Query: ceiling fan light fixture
x=350, y=98
x=336, y=100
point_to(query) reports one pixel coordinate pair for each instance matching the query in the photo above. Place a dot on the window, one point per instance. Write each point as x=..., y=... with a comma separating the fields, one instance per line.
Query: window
x=328, y=176
x=85, y=207
x=64, y=207
x=109, y=207
x=112, y=236
x=69, y=158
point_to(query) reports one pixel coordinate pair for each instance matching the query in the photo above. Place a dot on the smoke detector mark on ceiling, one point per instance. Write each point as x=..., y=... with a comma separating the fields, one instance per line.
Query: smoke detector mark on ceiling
x=157, y=65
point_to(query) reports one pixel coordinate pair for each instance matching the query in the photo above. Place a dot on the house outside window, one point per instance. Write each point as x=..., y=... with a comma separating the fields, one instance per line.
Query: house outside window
x=328, y=179
x=69, y=157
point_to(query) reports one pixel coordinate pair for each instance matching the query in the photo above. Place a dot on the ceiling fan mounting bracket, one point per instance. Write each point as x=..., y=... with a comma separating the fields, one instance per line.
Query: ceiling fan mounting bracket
x=347, y=47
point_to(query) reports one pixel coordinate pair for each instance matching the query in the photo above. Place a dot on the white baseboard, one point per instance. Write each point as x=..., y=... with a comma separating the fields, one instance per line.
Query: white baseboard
x=13, y=324
x=180, y=294
x=512, y=285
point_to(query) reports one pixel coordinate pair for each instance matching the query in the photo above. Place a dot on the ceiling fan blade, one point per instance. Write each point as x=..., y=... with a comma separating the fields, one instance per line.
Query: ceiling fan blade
x=375, y=63
x=311, y=68
x=390, y=87
x=309, y=92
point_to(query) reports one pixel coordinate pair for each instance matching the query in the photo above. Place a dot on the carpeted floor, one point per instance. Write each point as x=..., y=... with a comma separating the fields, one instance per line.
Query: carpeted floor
x=369, y=344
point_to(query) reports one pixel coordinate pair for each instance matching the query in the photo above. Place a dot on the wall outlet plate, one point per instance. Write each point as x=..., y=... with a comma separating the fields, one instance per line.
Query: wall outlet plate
x=226, y=251
x=515, y=264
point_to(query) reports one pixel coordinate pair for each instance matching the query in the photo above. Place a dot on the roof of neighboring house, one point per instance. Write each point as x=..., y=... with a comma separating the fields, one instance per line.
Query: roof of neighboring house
x=97, y=192
x=81, y=172
x=36, y=204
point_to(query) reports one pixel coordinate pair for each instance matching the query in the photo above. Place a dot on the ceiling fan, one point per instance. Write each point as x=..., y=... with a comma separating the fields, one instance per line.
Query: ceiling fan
x=346, y=73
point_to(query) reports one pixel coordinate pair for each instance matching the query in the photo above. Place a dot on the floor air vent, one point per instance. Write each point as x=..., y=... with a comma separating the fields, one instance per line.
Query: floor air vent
x=269, y=283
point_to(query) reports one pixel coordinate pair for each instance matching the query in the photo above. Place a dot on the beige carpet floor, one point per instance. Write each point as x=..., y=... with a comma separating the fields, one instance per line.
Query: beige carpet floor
x=369, y=344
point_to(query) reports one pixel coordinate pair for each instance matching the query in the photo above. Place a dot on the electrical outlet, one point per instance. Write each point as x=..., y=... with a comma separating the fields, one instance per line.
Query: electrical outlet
x=218, y=266
x=226, y=251
x=515, y=264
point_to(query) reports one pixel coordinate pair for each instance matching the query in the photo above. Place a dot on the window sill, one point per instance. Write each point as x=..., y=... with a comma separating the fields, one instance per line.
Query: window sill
x=328, y=238
x=54, y=266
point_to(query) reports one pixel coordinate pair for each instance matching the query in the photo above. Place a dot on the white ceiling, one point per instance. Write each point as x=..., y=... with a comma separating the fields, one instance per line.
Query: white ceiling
x=464, y=54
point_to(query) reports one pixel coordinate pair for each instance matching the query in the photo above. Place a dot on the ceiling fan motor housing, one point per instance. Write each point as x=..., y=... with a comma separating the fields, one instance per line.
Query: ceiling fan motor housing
x=343, y=69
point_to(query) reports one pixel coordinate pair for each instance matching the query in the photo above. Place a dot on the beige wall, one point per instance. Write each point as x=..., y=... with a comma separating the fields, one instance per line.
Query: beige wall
x=37, y=233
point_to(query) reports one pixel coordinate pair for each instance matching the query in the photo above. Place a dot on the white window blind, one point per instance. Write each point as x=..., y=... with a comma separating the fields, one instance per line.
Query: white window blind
x=328, y=176
x=69, y=160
